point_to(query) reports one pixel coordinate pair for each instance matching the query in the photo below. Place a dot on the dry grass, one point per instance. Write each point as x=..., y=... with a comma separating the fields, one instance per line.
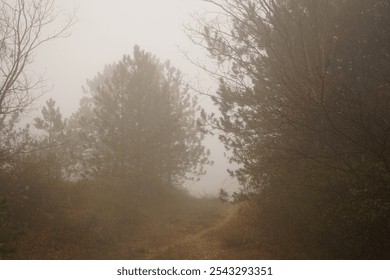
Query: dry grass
x=106, y=221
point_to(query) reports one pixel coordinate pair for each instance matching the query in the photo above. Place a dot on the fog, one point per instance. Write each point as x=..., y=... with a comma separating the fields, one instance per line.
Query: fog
x=107, y=30
x=100, y=158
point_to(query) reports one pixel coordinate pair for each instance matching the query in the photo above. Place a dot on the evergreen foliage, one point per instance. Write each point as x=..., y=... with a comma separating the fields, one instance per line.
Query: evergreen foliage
x=304, y=100
x=141, y=123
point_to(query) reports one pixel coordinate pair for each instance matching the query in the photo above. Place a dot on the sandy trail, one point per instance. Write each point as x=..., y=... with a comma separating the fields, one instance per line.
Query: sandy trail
x=203, y=244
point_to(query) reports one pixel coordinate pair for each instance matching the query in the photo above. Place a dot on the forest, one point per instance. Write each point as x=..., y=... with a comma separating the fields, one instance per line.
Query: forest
x=303, y=105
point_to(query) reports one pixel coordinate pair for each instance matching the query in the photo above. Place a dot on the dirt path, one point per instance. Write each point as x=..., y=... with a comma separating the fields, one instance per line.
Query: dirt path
x=200, y=245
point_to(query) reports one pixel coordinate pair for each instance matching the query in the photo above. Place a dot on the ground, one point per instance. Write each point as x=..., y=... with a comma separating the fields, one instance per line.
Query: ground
x=101, y=223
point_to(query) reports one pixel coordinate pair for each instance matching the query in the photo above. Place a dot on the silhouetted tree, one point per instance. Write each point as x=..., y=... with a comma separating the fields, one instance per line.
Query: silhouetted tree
x=51, y=123
x=52, y=144
x=22, y=31
x=304, y=97
x=144, y=123
x=24, y=28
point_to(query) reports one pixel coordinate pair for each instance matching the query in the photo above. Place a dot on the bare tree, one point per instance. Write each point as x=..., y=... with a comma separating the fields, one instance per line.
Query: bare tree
x=24, y=27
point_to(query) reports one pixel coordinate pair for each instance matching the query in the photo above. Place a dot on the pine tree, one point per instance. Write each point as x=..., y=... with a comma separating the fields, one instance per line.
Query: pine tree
x=51, y=123
x=53, y=141
x=304, y=98
x=144, y=123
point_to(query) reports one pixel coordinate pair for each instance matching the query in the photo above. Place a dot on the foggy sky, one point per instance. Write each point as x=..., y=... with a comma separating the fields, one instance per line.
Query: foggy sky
x=108, y=29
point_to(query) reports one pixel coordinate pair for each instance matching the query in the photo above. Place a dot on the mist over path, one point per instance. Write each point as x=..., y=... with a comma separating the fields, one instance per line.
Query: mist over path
x=207, y=243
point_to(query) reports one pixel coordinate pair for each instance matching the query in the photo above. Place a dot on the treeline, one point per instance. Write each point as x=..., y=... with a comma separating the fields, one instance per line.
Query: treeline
x=135, y=122
x=136, y=127
x=304, y=109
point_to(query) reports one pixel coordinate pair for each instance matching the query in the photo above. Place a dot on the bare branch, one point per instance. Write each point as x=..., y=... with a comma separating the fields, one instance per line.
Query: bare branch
x=24, y=27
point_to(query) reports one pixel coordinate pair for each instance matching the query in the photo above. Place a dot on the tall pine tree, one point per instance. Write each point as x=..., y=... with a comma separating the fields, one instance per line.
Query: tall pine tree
x=304, y=98
x=144, y=123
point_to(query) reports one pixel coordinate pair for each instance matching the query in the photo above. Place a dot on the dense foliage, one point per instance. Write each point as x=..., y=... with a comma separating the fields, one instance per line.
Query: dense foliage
x=140, y=125
x=135, y=128
x=304, y=98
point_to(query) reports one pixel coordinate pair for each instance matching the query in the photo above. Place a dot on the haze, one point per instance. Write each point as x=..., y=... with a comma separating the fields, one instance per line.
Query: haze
x=107, y=30
x=104, y=165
